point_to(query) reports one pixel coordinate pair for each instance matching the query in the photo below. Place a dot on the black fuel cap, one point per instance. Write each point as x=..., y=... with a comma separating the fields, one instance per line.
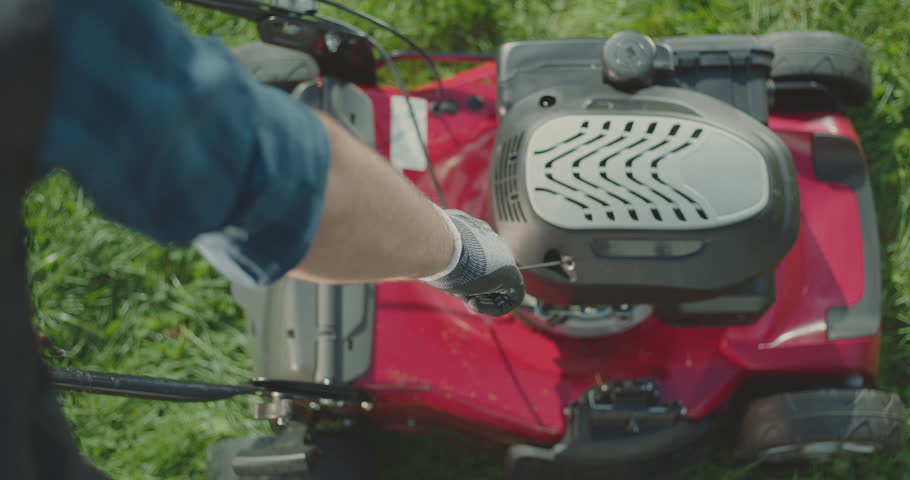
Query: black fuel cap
x=628, y=59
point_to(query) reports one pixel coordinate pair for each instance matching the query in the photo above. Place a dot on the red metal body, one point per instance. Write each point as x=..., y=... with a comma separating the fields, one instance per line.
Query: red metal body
x=437, y=364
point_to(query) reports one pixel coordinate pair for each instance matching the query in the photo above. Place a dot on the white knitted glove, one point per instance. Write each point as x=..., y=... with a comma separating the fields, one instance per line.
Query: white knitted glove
x=482, y=272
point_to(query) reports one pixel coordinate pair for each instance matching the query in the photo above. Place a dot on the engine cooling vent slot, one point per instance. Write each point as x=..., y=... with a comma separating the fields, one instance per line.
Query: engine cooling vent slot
x=640, y=172
x=505, y=182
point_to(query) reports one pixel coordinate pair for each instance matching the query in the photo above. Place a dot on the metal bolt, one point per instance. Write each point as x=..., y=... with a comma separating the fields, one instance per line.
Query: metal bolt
x=412, y=423
x=347, y=423
x=366, y=406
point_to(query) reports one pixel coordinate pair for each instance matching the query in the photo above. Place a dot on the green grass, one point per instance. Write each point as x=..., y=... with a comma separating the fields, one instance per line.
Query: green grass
x=111, y=300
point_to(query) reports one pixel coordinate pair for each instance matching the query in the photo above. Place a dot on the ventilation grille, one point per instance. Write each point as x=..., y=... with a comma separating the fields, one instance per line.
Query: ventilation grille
x=505, y=182
x=642, y=172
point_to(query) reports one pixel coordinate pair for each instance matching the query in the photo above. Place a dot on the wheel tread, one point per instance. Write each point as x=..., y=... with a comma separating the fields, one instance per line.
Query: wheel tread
x=830, y=58
x=862, y=416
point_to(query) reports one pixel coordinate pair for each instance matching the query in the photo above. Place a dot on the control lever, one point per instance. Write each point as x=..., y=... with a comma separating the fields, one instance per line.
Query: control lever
x=565, y=263
x=536, y=266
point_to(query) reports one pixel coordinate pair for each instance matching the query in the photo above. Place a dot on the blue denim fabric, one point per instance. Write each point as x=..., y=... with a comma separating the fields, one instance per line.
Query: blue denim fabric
x=170, y=136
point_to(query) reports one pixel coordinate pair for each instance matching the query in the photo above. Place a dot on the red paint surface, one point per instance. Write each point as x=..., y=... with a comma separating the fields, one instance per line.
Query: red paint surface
x=440, y=365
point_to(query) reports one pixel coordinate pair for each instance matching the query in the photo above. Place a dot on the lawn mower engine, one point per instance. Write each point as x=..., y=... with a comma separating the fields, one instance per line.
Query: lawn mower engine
x=640, y=193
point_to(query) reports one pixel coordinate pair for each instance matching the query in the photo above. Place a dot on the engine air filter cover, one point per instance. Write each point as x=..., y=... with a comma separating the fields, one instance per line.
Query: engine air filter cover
x=642, y=172
x=662, y=196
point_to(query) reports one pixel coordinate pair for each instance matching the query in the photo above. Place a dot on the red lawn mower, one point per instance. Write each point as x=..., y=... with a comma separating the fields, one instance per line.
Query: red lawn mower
x=698, y=237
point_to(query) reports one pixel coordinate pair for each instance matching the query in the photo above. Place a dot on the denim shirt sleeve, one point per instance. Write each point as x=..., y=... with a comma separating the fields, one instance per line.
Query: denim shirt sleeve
x=169, y=135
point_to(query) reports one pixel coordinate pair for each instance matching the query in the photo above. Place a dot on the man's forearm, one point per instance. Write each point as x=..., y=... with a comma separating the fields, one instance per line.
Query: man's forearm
x=376, y=225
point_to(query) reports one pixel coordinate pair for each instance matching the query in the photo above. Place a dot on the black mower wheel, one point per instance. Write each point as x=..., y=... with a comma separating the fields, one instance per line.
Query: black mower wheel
x=819, y=423
x=342, y=454
x=279, y=66
x=831, y=59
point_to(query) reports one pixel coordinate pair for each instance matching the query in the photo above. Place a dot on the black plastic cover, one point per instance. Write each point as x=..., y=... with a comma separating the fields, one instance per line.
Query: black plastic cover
x=839, y=160
x=743, y=305
x=731, y=68
x=632, y=437
x=527, y=67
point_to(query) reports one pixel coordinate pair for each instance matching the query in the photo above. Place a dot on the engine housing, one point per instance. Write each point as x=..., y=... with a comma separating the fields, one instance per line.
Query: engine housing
x=664, y=195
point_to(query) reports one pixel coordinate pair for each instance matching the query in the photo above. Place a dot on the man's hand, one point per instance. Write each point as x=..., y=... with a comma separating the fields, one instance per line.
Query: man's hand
x=482, y=272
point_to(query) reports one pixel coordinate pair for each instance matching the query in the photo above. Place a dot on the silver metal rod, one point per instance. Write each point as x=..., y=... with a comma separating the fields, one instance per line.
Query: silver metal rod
x=554, y=263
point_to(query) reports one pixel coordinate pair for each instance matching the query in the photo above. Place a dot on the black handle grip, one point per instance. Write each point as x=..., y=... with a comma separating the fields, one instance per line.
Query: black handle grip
x=183, y=391
x=144, y=387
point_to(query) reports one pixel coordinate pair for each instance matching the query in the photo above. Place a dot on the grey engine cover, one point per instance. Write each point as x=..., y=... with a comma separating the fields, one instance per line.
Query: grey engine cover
x=660, y=197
